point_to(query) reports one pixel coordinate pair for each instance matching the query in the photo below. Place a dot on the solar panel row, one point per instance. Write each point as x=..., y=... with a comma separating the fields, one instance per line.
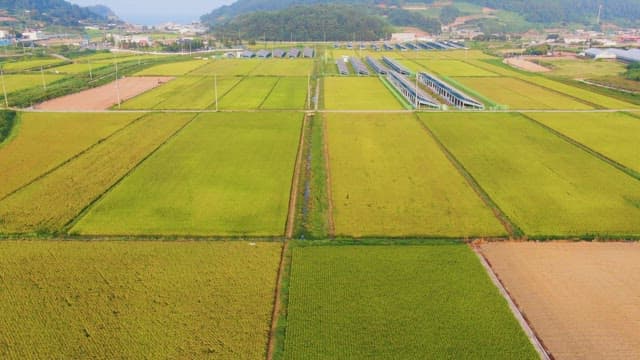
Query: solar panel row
x=358, y=66
x=342, y=67
x=377, y=66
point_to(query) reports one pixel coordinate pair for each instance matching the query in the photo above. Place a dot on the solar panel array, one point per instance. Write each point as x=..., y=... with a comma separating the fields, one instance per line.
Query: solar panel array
x=293, y=53
x=415, y=95
x=394, y=65
x=308, y=52
x=342, y=67
x=279, y=53
x=358, y=66
x=263, y=53
x=247, y=54
x=377, y=66
x=452, y=95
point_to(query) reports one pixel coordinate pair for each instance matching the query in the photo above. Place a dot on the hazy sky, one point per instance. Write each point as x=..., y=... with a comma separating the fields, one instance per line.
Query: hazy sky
x=152, y=12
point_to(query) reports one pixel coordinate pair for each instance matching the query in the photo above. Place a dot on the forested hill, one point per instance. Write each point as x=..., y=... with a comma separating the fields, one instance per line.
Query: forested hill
x=574, y=11
x=318, y=22
x=50, y=12
x=535, y=11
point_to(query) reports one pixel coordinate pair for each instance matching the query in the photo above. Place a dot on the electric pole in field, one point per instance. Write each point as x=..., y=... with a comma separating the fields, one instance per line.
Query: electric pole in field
x=309, y=92
x=117, y=86
x=44, y=83
x=4, y=89
x=215, y=86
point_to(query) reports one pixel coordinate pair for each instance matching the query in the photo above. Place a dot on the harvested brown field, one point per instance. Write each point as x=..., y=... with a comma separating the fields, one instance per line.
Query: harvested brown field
x=582, y=299
x=526, y=65
x=104, y=97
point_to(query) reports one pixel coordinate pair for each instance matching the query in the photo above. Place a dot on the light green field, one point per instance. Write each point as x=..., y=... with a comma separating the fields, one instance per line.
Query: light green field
x=172, y=69
x=78, y=68
x=227, y=67
x=184, y=93
x=249, y=94
x=12, y=66
x=289, y=93
x=230, y=176
x=454, y=68
x=586, y=95
x=283, y=67
x=547, y=186
x=19, y=82
x=50, y=203
x=389, y=178
x=615, y=135
x=358, y=93
x=397, y=302
x=584, y=69
x=131, y=299
x=43, y=141
x=518, y=94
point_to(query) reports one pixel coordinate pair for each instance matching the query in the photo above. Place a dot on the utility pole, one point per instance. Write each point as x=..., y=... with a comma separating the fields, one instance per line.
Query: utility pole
x=90, y=69
x=215, y=86
x=416, y=102
x=599, y=14
x=4, y=89
x=44, y=83
x=309, y=91
x=117, y=86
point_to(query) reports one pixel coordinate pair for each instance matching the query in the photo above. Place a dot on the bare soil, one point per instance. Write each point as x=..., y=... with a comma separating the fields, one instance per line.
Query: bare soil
x=581, y=299
x=104, y=97
x=525, y=64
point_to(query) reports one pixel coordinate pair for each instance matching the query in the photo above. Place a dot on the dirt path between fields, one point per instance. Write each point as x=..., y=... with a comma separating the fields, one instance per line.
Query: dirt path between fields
x=582, y=299
x=271, y=342
x=295, y=183
x=105, y=96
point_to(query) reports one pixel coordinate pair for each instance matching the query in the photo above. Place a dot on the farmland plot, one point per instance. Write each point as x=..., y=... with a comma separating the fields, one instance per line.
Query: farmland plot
x=545, y=185
x=364, y=93
x=172, y=69
x=227, y=67
x=615, y=135
x=397, y=302
x=283, y=67
x=78, y=68
x=126, y=300
x=580, y=298
x=288, y=93
x=586, y=95
x=15, y=66
x=249, y=94
x=19, y=82
x=389, y=178
x=43, y=141
x=230, y=176
x=51, y=202
x=518, y=94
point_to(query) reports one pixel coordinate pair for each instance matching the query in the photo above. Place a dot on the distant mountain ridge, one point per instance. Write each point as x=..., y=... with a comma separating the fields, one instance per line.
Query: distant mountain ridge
x=535, y=11
x=55, y=12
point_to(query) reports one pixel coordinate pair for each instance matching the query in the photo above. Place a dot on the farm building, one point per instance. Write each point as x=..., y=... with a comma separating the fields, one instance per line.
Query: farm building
x=308, y=53
x=632, y=55
x=293, y=53
x=247, y=54
x=414, y=95
x=450, y=94
x=263, y=54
